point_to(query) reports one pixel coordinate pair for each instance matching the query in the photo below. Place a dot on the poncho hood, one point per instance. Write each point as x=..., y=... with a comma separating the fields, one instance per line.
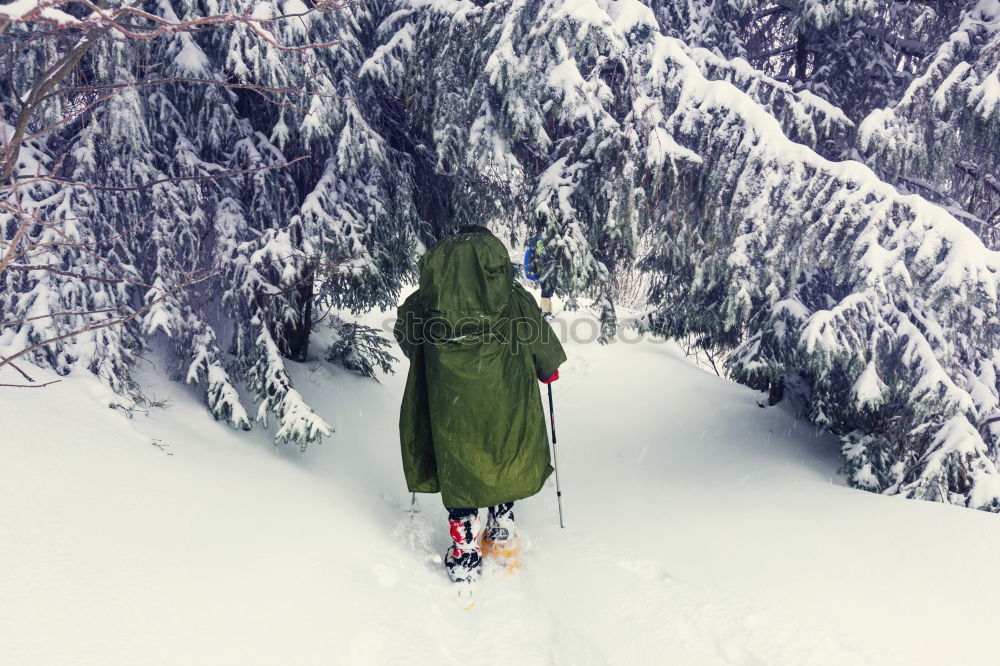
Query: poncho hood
x=466, y=277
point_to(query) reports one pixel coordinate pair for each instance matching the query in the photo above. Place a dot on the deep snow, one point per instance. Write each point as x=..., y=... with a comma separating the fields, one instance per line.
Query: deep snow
x=701, y=529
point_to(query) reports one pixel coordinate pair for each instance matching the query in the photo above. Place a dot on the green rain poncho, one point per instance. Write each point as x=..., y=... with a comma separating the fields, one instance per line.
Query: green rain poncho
x=471, y=424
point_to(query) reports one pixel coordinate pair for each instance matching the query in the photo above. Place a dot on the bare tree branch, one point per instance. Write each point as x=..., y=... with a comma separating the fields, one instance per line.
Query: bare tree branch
x=48, y=81
x=297, y=89
x=160, y=181
x=58, y=271
x=109, y=322
x=20, y=371
x=54, y=381
x=986, y=424
x=107, y=19
x=67, y=313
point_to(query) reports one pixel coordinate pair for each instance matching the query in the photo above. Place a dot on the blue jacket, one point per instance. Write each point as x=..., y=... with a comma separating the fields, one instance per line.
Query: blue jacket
x=531, y=257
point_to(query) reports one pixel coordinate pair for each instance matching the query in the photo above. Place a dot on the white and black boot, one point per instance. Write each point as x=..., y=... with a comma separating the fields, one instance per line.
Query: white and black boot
x=500, y=540
x=464, y=560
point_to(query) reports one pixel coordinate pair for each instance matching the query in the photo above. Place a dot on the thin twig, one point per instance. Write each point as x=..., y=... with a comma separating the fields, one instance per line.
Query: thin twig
x=67, y=313
x=80, y=276
x=138, y=188
x=104, y=19
x=71, y=243
x=62, y=121
x=107, y=323
x=31, y=385
x=985, y=424
x=295, y=89
x=22, y=372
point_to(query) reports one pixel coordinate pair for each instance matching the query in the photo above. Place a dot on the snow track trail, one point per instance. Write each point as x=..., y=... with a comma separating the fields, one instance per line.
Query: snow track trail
x=700, y=530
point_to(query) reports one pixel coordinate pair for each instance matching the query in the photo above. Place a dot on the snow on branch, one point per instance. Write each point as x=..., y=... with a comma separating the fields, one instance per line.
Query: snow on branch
x=893, y=288
x=804, y=116
x=297, y=422
x=946, y=126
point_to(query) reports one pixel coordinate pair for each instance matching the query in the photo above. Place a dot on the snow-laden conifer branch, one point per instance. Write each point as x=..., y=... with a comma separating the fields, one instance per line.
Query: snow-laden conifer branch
x=106, y=323
x=945, y=128
x=230, y=173
x=105, y=17
x=296, y=89
x=865, y=288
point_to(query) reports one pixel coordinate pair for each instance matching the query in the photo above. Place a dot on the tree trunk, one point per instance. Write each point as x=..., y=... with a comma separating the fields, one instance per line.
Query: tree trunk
x=297, y=334
x=801, y=58
x=776, y=392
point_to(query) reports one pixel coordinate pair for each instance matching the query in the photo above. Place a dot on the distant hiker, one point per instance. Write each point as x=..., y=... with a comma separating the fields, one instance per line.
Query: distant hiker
x=471, y=424
x=537, y=269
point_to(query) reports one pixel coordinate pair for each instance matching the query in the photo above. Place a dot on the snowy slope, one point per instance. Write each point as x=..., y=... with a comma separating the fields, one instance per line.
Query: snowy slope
x=701, y=529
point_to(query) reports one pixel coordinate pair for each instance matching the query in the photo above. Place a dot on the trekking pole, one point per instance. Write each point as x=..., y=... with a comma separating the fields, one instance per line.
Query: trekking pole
x=414, y=507
x=555, y=460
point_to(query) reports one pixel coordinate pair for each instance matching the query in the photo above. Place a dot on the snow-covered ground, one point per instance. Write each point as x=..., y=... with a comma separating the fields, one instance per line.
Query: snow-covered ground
x=701, y=529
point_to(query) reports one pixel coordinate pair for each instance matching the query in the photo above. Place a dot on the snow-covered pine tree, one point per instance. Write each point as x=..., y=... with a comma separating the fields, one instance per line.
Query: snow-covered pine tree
x=279, y=246
x=706, y=127
x=359, y=213
x=940, y=138
x=346, y=242
x=183, y=216
x=882, y=305
x=518, y=114
x=78, y=272
x=360, y=349
x=256, y=242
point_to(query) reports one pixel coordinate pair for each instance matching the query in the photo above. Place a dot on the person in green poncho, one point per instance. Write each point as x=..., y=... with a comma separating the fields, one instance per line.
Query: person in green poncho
x=471, y=424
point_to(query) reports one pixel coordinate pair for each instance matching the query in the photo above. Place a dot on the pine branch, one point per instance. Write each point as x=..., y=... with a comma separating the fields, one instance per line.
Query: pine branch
x=298, y=89
x=22, y=229
x=108, y=323
x=774, y=52
x=58, y=271
x=160, y=181
x=66, y=119
x=32, y=102
x=68, y=313
x=108, y=20
x=910, y=47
